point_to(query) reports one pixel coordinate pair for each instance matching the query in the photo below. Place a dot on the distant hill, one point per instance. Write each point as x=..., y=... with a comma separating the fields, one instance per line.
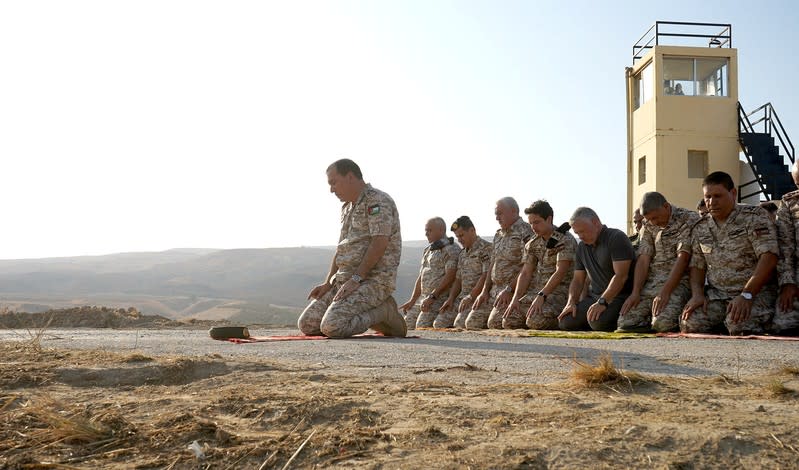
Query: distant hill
x=250, y=285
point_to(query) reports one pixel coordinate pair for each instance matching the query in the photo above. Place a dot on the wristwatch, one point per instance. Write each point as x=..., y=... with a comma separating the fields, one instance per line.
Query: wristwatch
x=746, y=295
x=542, y=294
x=357, y=278
x=602, y=302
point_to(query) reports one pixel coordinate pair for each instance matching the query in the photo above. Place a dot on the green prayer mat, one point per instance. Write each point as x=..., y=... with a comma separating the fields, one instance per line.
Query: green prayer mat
x=587, y=334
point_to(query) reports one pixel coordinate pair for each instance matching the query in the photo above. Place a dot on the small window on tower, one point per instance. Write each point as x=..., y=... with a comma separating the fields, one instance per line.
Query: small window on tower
x=642, y=170
x=697, y=163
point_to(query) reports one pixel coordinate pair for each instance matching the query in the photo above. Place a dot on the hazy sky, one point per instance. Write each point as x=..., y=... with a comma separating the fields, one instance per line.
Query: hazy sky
x=149, y=125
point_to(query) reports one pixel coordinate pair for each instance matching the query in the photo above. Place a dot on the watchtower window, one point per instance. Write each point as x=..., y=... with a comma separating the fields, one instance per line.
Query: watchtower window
x=697, y=163
x=643, y=85
x=699, y=76
x=642, y=170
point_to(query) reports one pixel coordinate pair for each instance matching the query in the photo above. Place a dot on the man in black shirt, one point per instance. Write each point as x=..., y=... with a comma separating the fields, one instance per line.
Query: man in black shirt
x=607, y=256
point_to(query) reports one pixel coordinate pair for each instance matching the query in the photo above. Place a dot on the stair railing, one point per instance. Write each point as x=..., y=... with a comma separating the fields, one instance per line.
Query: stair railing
x=769, y=118
x=745, y=127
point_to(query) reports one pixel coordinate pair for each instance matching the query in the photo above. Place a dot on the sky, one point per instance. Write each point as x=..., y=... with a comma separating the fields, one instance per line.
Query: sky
x=151, y=125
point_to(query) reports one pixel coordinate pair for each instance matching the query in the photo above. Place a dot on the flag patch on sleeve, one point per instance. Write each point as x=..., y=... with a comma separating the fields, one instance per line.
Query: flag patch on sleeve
x=374, y=210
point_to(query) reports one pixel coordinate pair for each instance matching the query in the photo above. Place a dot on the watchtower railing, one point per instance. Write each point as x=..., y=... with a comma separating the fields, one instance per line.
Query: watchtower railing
x=661, y=29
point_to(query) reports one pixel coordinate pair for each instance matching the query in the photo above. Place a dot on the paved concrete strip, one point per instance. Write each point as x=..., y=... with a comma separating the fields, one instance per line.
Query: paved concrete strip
x=480, y=357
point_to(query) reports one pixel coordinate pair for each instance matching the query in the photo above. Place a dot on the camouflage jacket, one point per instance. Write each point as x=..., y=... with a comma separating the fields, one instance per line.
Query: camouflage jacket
x=507, y=255
x=472, y=263
x=787, y=231
x=729, y=252
x=663, y=243
x=436, y=263
x=374, y=213
x=545, y=260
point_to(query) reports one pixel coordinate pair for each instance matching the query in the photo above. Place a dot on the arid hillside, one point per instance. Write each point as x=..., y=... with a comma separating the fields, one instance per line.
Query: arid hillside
x=248, y=285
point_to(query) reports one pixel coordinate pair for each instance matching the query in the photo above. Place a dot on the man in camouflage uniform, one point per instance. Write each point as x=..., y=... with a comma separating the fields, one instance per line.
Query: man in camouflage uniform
x=660, y=285
x=356, y=293
x=786, y=317
x=439, y=263
x=736, y=247
x=474, y=262
x=506, y=262
x=543, y=286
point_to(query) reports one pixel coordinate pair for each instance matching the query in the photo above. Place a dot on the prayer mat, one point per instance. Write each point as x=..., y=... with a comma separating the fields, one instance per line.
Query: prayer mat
x=270, y=339
x=712, y=336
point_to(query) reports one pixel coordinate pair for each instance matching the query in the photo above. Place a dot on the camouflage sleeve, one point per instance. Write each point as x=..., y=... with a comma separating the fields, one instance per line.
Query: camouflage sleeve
x=684, y=236
x=786, y=239
x=568, y=251
x=762, y=234
x=380, y=212
x=461, y=258
x=421, y=263
x=493, y=247
x=452, y=257
x=646, y=241
x=697, y=255
x=527, y=255
x=485, y=257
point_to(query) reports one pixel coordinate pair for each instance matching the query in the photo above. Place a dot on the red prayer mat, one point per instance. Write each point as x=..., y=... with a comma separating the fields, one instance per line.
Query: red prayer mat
x=711, y=336
x=269, y=339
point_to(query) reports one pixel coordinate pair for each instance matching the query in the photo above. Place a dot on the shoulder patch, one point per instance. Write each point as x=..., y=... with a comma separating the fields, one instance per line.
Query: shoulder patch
x=374, y=209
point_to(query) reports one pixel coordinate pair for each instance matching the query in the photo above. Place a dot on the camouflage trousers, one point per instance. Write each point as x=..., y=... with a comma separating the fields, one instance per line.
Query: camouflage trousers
x=640, y=317
x=460, y=318
x=716, y=316
x=478, y=317
x=785, y=320
x=350, y=316
x=447, y=319
x=547, y=318
x=496, y=319
x=415, y=318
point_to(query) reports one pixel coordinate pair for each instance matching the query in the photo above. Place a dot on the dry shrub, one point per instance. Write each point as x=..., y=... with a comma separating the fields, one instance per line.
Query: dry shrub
x=777, y=388
x=33, y=342
x=603, y=373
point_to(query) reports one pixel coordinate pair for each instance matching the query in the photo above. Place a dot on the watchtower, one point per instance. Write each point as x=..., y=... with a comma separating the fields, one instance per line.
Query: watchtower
x=684, y=119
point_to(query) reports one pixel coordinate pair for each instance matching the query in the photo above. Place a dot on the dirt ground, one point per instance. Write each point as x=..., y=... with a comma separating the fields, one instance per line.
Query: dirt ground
x=94, y=409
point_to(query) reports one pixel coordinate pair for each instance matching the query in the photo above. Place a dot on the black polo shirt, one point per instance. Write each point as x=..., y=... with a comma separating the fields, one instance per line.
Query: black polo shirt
x=597, y=259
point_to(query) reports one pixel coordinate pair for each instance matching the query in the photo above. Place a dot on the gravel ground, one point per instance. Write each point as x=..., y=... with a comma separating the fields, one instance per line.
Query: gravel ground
x=513, y=359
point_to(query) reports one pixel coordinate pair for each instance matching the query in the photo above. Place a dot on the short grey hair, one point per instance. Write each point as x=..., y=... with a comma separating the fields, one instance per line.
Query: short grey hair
x=583, y=213
x=509, y=202
x=439, y=222
x=651, y=201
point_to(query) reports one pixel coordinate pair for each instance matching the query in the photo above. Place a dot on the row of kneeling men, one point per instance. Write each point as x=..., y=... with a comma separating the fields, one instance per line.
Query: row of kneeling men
x=731, y=270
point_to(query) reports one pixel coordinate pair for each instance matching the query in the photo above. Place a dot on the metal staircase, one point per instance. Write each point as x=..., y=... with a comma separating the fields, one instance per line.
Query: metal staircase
x=764, y=154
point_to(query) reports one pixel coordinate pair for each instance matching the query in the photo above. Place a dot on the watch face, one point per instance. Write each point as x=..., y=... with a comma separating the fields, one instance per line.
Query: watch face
x=746, y=295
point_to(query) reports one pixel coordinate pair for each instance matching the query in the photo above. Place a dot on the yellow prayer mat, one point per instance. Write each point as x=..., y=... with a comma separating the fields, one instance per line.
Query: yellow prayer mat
x=567, y=334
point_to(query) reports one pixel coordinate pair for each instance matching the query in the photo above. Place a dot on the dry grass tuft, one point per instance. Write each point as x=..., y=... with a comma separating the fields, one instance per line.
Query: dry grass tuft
x=136, y=357
x=789, y=370
x=69, y=429
x=604, y=373
x=777, y=388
